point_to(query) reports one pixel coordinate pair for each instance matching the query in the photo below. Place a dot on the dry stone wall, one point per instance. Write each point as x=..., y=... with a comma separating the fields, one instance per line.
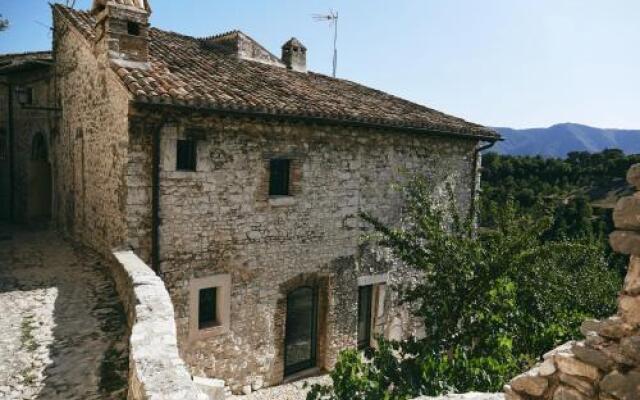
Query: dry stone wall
x=606, y=364
x=156, y=371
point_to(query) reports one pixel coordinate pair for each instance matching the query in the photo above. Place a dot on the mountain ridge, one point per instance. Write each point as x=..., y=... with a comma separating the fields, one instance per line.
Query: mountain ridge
x=560, y=139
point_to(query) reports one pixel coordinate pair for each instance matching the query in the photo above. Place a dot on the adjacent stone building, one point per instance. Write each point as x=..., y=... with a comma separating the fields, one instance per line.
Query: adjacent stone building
x=238, y=176
x=27, y=123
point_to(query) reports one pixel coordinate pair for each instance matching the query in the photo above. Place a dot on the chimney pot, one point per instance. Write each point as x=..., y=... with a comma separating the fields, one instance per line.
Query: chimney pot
x=294, y=55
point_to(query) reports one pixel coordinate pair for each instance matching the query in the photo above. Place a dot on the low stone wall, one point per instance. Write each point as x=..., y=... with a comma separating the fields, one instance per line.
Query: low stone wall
x=156, y=370
x=606, y=364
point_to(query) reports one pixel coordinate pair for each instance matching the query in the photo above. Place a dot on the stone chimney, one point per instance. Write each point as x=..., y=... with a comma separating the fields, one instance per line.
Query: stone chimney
x=122, y=29
x=294, y=55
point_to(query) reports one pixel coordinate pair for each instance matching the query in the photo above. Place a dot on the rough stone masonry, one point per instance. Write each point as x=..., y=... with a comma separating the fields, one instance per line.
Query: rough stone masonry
x=606, y=364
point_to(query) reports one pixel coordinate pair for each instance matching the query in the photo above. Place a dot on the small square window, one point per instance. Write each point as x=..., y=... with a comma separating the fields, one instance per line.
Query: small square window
x=279, y=177
x=133, y=28
x=186, y=155
x=207, y=308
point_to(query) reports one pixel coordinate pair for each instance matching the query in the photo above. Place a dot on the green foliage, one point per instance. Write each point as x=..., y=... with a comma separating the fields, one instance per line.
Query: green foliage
x=565, y=188
x=4, y=23
x=491, y=301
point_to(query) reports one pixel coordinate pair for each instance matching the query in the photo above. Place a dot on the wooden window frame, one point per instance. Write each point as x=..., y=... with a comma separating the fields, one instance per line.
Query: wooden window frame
x=280, y=177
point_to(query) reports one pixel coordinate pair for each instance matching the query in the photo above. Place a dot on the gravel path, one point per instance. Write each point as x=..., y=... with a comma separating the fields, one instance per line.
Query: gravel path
x=298, y=391
x=63, y=329
x=290, y=391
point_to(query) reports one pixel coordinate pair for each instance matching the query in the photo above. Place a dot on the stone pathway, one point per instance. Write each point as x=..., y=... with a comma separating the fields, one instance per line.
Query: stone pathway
x=291, y=391
x=298, y=391
x=62, y=326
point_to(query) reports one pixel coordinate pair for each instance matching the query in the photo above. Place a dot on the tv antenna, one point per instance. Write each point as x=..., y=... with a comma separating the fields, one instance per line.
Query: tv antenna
x=332, y=18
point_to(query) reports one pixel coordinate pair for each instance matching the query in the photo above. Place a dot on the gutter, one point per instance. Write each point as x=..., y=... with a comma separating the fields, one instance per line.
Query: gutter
x=316, y=120
x=155, y=199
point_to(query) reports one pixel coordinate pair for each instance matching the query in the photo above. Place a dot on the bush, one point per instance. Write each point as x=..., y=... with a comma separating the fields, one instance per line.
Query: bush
x=491, y=301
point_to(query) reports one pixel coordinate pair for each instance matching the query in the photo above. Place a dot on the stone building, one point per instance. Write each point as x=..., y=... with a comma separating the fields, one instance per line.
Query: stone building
x=238, y=176
x=27, y=122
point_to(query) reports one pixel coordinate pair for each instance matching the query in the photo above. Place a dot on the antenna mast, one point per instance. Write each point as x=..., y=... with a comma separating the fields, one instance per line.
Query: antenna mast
x=332, y=18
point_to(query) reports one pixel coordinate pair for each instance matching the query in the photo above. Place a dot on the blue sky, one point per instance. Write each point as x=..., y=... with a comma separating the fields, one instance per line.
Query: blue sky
x=517, y=63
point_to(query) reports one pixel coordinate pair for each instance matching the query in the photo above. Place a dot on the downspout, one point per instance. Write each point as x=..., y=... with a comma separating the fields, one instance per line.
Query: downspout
x=475, y=189
x=12, y=170
x=155, y=199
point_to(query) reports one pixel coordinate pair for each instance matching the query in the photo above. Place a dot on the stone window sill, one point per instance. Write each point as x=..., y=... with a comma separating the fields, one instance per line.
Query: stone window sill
x=206, y=333
x=281, y=201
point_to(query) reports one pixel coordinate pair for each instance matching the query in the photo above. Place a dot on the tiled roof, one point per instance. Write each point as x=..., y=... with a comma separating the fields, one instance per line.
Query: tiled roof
x=183, y=72
x=16, y=61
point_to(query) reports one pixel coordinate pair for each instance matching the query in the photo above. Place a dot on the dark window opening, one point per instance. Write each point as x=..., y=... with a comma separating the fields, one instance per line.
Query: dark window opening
x=39, y=148
x=133, y=29
x=25, y=96
x=186, y=157
x=207, y=308
x=365, y=296
x=279, y=177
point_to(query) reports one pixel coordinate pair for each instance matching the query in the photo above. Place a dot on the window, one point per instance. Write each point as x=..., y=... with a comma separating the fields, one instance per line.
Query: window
x=38, y=148
x=186, y=155
x=279, y=177
x=207, y=308
x=365, y=297
x=133, y=28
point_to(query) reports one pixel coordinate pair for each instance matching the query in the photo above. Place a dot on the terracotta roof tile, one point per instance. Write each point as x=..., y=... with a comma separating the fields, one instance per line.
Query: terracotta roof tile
x=182, y=71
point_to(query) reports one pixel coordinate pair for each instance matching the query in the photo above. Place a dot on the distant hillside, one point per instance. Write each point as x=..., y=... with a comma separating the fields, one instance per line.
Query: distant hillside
x=558, y=140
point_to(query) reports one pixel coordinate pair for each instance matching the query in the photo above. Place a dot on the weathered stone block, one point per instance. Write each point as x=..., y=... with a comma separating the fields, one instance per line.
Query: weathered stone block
x=614, y=327
x=629, y=309
x=622, y=386
x=567, y=393
x=593, y=357
x=633, y=176
x=632, y=280
x=530, y=383
x=625, y=242
x=630, y=346
x=626, y=214
x=570, y=365
x=582, y=385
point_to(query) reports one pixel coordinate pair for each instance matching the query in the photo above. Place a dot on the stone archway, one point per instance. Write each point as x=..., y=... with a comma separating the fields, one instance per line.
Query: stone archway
x=39, y=184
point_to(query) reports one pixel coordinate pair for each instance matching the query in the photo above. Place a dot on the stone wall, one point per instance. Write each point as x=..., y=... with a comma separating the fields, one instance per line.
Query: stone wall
x=156, y=370
x=606, y=364
x=32, y=197
x=219, y=220
x=90, y=153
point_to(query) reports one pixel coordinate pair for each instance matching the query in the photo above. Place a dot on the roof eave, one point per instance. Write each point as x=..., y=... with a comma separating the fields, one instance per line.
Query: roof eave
x=488, y=136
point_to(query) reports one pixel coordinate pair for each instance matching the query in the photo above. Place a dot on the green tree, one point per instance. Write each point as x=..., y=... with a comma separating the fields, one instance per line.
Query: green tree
x=4, y=23
x=491, y=301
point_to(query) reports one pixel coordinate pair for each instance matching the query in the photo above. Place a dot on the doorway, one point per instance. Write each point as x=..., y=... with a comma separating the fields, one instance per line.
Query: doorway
x=39, y=190
x=301, y=335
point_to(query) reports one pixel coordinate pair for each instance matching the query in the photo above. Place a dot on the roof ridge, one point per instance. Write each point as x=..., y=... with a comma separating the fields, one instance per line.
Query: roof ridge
x=221, y=35
x=27, y=53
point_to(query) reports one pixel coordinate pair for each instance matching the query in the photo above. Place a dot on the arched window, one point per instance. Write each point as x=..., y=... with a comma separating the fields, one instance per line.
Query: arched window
x=39, y=148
